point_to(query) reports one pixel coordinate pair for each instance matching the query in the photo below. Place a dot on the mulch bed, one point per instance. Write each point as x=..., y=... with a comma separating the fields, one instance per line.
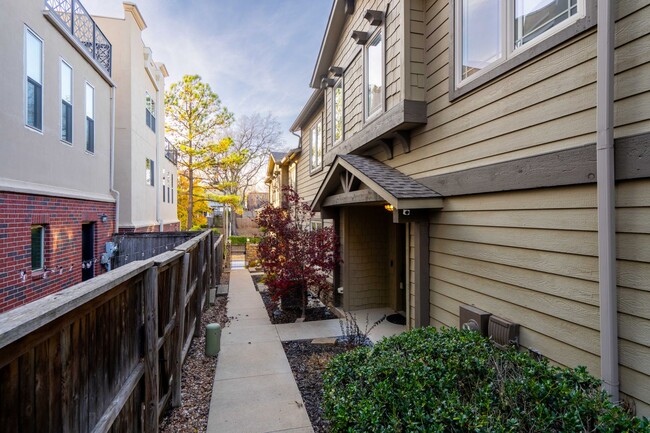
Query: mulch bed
x=308, y=361
x=197, y=377
x=278, y=316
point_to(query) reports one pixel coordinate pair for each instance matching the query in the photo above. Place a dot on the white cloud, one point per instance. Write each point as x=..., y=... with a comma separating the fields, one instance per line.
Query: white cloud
x=258, y=55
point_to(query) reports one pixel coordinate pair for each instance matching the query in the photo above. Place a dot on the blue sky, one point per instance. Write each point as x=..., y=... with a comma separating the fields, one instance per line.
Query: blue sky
x=258, y=55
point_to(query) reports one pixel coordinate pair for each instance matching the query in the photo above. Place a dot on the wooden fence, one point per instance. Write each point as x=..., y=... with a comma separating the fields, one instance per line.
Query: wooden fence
x=132, y=247
x=107, y=354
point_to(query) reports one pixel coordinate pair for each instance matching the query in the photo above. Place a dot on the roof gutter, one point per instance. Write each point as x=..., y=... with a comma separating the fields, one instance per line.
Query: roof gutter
x=606, y=201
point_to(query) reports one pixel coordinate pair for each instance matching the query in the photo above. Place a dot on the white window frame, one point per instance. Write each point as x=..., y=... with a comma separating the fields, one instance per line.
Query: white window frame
x=42, y=227
x=366, y=75
x=151, y=124
x=92, y=88
x=61, y=63
x=509, y=52
x=293, y=175
x=26, y=77
x=149, y=176
x=313, y=132
x=339, y=83
x=315, y=225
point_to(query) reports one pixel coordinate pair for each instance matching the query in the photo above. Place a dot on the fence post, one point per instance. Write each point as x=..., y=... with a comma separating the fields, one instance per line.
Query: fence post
x=200, y=288
x=180, y=324
x=151, y=350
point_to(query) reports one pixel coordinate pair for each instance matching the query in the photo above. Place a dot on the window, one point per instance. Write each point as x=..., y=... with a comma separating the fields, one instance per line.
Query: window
x=38, y=248
x=150, y=109
x=316, y=225
x=34, y=80
x=292, y=176
x=337, y=111
x=171, y=189
x=374, y=75
x=163, y=186
x=149, y=176
x=90, y=118
x=66, y=102
x=492, y=32
x=316, y=147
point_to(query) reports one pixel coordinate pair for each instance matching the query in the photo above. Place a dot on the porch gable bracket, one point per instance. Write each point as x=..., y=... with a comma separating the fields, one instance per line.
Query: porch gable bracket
x=384, y=185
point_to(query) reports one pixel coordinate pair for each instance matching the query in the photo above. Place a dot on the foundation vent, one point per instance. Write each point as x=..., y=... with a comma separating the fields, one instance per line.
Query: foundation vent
x=503, y=333
x=473, y=319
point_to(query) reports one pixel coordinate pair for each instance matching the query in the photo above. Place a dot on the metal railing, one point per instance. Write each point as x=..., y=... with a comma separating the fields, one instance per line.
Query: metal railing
x=171, y=152
x=76, y=19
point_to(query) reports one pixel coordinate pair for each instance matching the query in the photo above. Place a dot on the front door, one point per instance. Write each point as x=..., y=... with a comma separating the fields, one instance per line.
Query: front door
x=87, y=251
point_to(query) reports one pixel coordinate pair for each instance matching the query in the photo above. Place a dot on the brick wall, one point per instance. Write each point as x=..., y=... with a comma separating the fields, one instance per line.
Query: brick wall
x=62, y=219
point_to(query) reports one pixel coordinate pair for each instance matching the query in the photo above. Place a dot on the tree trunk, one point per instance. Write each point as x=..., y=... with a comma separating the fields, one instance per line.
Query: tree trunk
x=190, y=199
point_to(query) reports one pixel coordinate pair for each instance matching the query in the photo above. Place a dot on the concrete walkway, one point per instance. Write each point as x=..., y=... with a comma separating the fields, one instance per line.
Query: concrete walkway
x=254, y=389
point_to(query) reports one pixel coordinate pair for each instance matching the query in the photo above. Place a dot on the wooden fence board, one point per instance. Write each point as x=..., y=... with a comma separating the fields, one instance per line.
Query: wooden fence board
x=72, y=362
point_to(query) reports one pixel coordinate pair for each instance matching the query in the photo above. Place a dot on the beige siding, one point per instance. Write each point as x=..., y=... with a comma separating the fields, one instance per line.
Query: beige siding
x=394, y=54
x=308, y=184
x=365, y=268
x=417, y=68
x=633, y=269
x=545, y=105
x=350, y=56
x=38, y=162
x=531, y=257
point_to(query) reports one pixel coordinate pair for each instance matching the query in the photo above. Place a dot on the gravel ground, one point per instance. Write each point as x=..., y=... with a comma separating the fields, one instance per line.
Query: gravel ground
x=197, y=377
x=308, y=361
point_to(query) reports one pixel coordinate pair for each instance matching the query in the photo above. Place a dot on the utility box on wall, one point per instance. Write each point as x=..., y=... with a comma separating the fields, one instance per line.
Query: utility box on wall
x=474, y=319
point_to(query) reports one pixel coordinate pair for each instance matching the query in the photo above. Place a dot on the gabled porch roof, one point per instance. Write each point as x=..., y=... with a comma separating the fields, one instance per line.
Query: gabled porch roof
x=343, y=186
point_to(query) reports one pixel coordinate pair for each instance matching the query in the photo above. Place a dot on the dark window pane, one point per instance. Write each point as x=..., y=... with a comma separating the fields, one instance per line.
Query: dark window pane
x=90, y=135
x=37, y=247
x=34, y=99
x=66, y=122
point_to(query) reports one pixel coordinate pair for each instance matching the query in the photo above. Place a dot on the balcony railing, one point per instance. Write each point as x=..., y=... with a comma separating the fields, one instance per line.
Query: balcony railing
x=76, y=19
x=171, y=153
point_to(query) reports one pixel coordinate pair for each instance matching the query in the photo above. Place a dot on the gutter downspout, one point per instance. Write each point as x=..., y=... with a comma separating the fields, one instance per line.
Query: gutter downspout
x=606, y=201
x=161, y=226
x=115, y=193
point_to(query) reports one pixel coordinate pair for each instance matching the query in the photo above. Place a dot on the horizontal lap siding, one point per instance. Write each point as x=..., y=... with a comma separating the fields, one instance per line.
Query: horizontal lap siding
x=417, y=72
x=532, y=257
x=633, y=279
x=308, y=184
x=393, y=55
x=546, y=105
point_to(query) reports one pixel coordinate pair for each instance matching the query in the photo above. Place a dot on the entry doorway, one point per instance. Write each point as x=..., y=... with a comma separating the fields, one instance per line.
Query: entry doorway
x=397, y=267
x=87, y=251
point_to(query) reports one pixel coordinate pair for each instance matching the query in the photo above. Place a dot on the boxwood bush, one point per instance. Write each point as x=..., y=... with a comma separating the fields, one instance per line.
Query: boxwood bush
x=430, y=380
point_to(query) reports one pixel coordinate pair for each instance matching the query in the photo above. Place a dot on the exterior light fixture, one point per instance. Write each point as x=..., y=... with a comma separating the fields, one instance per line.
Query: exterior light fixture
x=337, y=71
x=103, y=218
x=375, y=18
x=389, y=207
x=326, y=82
x=360, y=37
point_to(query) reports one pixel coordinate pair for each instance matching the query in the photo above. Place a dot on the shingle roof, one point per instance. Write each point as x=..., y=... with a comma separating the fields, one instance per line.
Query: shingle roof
x=393, y=181
x=278, y=155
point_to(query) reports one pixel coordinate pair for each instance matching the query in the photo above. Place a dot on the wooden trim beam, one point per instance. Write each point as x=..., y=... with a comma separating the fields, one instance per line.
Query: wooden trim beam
x=564, y=167
x=355, y=197
x=421, y=246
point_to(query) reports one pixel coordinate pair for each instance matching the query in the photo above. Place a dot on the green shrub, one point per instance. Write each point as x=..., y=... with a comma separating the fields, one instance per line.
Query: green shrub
x=429, y=380
x=241, y=240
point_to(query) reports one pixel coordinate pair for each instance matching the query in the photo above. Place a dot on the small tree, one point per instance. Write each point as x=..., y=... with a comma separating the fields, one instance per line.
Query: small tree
x=293, y=255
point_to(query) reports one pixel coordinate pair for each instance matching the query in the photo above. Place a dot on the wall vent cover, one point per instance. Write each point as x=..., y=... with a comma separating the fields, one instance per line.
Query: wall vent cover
x=503, y=332
x=474, y=319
